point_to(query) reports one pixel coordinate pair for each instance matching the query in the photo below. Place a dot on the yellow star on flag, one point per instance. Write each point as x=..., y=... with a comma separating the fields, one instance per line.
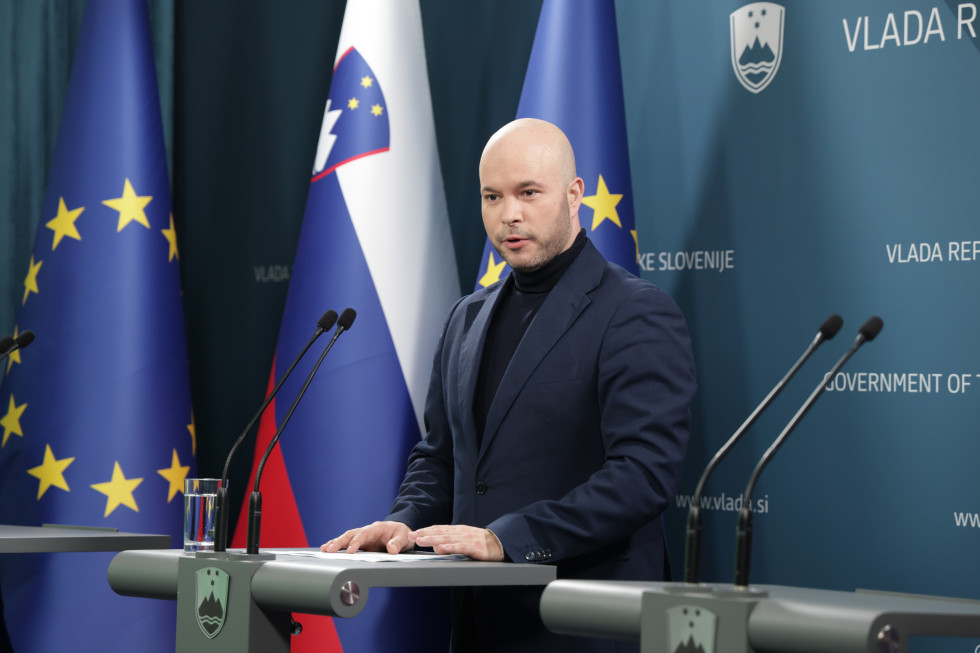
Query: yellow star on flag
x=30, y=283
x=376, y=110
x=494, y=269
x=366, y=81
x=14, y=356
x=175, y=474
x=171, y=235
x=119, y=490
x=63, y=224
x=130, y=206
x=11, y=421
x=603, y=205
x=353, y=103
x=50, y=472
x=193, y=430
x=636, y=242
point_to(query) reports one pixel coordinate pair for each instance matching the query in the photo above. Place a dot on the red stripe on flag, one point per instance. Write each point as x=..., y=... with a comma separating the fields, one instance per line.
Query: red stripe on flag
x=326, y=172
x=282, y=526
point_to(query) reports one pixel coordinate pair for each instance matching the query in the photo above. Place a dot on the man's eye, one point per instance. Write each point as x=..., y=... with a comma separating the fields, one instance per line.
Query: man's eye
x=529, y=193
x=490, y=197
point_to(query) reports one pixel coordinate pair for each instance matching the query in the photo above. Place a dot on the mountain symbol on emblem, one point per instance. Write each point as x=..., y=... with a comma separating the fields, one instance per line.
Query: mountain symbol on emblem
x=210, y=615
x=689, y=647
x=757, y=43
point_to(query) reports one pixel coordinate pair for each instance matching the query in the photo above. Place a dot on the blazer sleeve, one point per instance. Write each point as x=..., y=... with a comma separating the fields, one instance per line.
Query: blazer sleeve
x=645, y=381
x=425, y=496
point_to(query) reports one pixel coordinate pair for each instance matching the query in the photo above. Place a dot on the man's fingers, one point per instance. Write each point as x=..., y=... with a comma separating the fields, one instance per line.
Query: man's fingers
x=397, y=544
x=337, y=543
x=477, y=543
x=379, y=536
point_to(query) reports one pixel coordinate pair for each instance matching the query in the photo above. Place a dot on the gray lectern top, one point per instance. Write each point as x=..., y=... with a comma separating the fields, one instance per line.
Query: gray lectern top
x=61, y=539
x=298, y=581
x=665, y=616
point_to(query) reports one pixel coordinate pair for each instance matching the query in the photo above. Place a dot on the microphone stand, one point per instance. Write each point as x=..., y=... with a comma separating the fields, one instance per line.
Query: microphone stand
x=743, y=533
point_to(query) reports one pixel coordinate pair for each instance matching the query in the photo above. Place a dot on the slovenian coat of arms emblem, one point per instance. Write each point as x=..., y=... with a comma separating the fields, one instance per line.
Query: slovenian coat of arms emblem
x=212, y=600
x=757, y=43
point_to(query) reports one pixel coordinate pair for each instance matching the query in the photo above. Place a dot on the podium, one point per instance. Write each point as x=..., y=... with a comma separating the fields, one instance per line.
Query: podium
x=62, y=539
x=673, y=617
x=236, y=602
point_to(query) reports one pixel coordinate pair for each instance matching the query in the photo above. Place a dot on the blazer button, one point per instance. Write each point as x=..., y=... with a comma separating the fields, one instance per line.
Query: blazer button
x=481, y=487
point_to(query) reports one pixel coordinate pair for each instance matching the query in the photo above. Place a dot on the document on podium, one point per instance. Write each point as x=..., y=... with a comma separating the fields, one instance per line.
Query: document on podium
x=370, y=556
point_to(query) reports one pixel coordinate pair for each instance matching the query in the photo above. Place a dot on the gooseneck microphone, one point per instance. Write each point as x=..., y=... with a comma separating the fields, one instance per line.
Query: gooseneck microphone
x=692, y=559
x=325, y=323
x=743, y=534
x=9, y=345
x=255, y=499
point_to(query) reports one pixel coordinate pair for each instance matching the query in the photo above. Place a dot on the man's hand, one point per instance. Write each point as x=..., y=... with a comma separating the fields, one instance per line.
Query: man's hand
x=476, y=543
x=390, y=536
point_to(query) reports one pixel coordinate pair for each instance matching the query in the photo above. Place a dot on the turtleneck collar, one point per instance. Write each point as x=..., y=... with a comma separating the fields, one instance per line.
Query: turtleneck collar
x=544, y=278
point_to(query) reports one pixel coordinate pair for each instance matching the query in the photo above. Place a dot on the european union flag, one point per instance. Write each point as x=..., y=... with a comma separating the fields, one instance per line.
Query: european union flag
x=96, y=413
x=573, y=80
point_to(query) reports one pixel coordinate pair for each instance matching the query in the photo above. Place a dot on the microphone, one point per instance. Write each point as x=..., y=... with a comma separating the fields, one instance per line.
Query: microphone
x=19, y=342
x=255, y=499
x=743, y=534
x=325, y=322
x=692, y=559
x=25, y=339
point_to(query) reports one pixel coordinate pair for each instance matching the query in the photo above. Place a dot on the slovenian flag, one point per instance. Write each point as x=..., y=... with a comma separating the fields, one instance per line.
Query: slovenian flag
x=375, y=238
x=96, y=414
x=573, y=80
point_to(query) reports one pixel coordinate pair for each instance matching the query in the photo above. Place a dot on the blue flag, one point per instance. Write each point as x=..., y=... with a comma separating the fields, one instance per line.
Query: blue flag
x=375, y=238
x=96, y=412
x=573, y=80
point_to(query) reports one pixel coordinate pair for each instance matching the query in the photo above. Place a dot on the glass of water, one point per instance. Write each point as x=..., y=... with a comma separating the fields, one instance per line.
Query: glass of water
x=200, y=497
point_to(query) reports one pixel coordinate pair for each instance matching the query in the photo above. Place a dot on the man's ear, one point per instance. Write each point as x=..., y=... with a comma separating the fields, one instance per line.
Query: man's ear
x=575, y=191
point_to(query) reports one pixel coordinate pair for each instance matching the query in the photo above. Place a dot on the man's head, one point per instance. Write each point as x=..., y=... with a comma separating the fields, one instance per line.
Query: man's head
x=531, y=194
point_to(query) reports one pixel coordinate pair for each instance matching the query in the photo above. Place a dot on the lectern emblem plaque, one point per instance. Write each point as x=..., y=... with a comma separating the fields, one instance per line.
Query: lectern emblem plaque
x=691, y=629
x=212, y=600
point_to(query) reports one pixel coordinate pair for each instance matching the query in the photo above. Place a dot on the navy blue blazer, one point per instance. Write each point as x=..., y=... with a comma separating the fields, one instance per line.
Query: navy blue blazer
x=584, y=440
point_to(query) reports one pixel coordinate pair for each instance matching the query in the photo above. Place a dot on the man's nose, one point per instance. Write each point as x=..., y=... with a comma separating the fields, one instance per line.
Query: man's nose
x=513, y=211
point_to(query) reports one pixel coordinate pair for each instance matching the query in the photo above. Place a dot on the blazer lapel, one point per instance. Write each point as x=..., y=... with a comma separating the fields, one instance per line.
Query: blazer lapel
x=476, y=323
x=564, y=304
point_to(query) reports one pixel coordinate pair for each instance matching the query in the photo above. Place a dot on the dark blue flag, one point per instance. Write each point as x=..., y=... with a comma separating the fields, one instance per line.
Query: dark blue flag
x=96, y=415
x=573, y=80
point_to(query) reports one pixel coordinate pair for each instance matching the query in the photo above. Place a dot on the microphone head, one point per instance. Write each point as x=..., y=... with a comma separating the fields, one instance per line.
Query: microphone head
x=347, y=318
x=327, y=320
x=831, y=326
x=25, y=339
x=871, y=328
x=6, y=343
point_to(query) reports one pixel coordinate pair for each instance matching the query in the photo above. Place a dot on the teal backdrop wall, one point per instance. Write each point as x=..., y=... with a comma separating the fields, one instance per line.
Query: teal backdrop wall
x=847, y=184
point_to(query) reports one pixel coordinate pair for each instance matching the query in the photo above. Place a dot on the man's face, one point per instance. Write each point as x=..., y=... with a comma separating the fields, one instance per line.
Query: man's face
x=526, y=205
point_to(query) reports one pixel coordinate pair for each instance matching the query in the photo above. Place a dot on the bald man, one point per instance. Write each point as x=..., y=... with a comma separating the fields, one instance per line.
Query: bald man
x=557, y=414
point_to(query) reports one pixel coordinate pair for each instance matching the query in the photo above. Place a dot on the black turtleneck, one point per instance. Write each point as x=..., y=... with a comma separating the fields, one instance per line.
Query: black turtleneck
x=522, y=296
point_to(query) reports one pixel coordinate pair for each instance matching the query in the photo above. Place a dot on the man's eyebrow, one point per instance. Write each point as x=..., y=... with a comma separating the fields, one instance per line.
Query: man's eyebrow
x=524, y=184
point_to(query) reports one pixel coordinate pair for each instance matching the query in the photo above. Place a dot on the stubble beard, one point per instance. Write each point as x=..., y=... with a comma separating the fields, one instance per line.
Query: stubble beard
x=550, y=249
